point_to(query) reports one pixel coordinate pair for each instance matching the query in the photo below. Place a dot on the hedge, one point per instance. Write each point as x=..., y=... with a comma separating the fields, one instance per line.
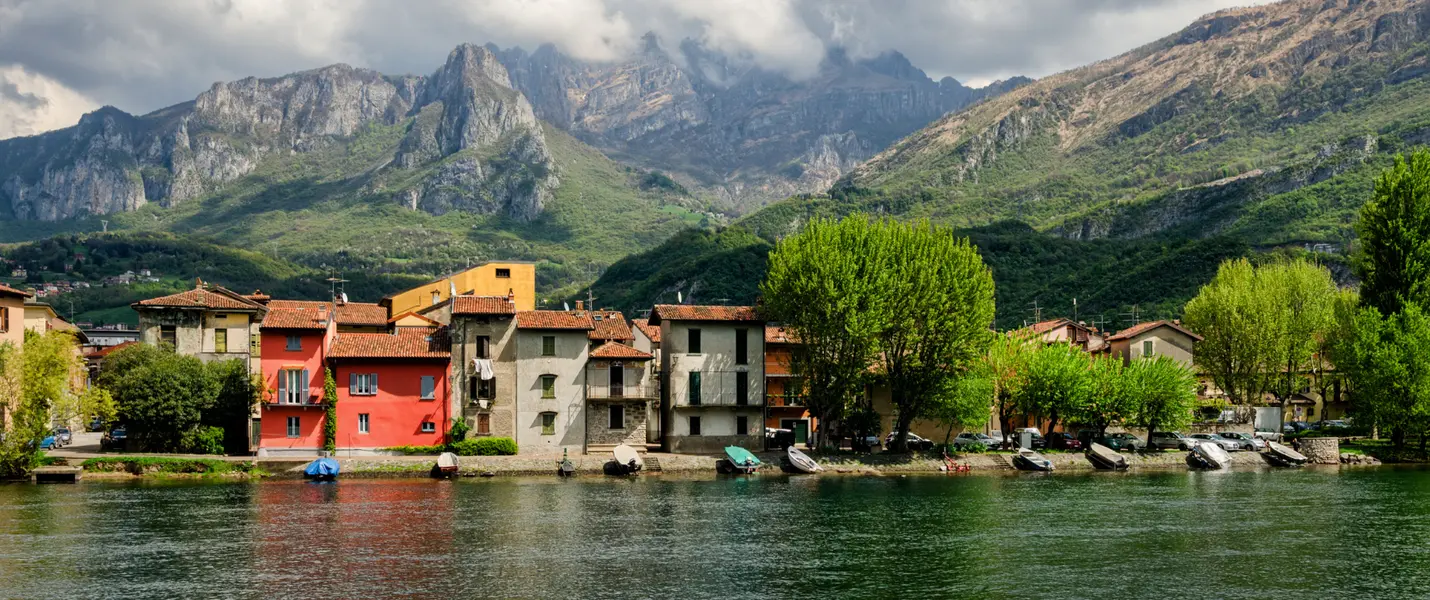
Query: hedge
x=482, y=446
x=140, y=465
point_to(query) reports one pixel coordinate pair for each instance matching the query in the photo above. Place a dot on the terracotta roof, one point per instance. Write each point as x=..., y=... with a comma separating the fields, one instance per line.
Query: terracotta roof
x=692, y=312
x=258, y=296
x=779, y=335
x=431, y=323
x=652, y=332
x=619, y=350
x=1049, y=325
x=6, y=290
x=295, y=314
x=610, y=325
x=554, y=319
x=425, y=343
x=483, y=305
x=103, y=352
x=216, y=298
x=1141, y=328
x=362, y=313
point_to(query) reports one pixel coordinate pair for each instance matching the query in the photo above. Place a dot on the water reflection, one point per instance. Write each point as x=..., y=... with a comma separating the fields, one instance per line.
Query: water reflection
x=1223, y=534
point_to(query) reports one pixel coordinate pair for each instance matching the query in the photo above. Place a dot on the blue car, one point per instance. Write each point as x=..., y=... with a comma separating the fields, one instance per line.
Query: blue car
x=48, y=443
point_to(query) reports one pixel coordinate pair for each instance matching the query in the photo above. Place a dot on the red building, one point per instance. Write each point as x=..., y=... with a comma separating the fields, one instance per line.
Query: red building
x=392, y=387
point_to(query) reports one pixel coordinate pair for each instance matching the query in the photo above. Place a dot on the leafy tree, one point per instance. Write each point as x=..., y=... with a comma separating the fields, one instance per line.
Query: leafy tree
x=1004, y=364
x=330, y=420
x=1057, y=382
x=818, y=286
x=1384, y=360
x=27, y=422
x=238, y=392
x=162, y=400
x=1167, y=393
x=965, y=402
x=1393, y=256
x=1110, y=397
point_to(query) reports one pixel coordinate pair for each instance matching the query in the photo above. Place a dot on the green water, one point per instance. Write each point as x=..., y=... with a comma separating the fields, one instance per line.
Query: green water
x=1246, y=534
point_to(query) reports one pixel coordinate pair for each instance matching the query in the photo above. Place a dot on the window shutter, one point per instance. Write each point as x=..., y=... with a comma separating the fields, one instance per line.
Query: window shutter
x=352, y=384
x=306, y=387
x=282, y=386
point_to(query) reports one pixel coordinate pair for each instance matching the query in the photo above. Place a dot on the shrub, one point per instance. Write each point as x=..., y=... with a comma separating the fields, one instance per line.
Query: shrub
x=486, y=446
x=140, y=465
x=971, y=449
x=417, y=450
x=203, y=440
x=458, y=431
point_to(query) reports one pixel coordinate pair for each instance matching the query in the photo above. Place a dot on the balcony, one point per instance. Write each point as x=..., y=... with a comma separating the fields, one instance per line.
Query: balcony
x=618, y=392
x=312, y=403
x=784, y=399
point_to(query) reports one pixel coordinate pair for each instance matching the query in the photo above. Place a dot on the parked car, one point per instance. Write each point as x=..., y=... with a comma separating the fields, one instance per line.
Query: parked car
x=913, y=441
x=1060, y=440
x=1115, y=441
x=96, y=424
x=966, y=439
x=1038, y=441
x=1171, y=440
x=62, y=436
x=114, y=440
x=1263, y=434
x=1333, y=424
x=48, y=443
x=1212, y=438
x=779, y=438
x=1245, y=440
x=1295, y=426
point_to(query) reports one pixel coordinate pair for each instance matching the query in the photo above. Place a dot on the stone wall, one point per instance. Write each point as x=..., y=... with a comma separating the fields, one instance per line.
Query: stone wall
x=599, y=432
x=1322, y=450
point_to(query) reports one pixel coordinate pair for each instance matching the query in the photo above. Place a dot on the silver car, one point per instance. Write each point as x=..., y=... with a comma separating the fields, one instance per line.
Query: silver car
x=1247, y=441
x=1226, y=444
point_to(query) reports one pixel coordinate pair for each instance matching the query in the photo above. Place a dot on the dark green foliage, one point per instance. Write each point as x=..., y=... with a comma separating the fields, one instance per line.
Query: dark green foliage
x=485, y=446
x=457, y=431
x=660, y=182
x=1393, y=261
x=141, y=465
x=173, y=403
x=703, y=265
x=330, y=411
x=203, y=440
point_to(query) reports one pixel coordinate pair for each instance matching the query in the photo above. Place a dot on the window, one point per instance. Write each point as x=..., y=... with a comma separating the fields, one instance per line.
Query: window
x=484, y=388
x=1146, y=347
x=221, y=341
x=742, y=388
x=617, y=418
x=692, y=345
x=362, y=423
x=4, y=319
x=484, y=346
x=504, y=273
x=295, y=343
x=429, y=387
x=293, y=386
x=548, y=345
x=293, y=427
x=548, y=423
x=548, y=386
x=429, y=427
x=484, y=423
x=694, y=425
x=742, y=425
x=255, y=342
x=168, y=335
x=436, y=297
x=693, y=393
x=362, y=384
x=742, y=347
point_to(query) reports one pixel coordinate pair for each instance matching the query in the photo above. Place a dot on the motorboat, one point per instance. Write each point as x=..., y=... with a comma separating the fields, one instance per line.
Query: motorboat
x=446, y=466
x=1283, y=456
x=1208, y=456
x=738, y=460
x=323, y=469
x=798, y=462
x=1105, y=458
x=1027, y=460
x=565, y=467
x=626, y=461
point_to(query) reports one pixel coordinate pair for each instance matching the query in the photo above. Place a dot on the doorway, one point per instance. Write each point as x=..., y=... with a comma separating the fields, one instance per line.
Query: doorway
x=800, y=428
x=618, y=381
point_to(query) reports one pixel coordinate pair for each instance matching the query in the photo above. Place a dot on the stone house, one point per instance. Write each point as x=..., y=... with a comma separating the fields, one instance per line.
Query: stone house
x=483, y=332
x=620, y=387
x=647, y=340
x=1067, y=331
x=210, y=322
x=711, y=377
x=1154, y=338
x=783, y=394
x=552, y=350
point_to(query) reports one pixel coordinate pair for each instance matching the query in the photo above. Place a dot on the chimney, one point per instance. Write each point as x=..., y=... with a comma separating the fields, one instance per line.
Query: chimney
x=580, y=305
x=510, y=296
x=323, y=314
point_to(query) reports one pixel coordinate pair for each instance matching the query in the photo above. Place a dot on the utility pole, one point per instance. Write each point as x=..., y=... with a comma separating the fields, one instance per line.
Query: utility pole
x=1037, y=312
x=590, y=299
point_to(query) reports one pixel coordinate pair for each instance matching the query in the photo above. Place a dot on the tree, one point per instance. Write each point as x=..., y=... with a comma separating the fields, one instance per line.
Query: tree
x=936, y=303
x=1056, y=384
x=330, y=420
x=163, y=399
x=32, y=380
x=1385, y=362
x=819, y=289
x=1393, y=255
x=1004, y=363
x=1166, y=392
x=238, y=392
x=1110, y=399
x=965, y=402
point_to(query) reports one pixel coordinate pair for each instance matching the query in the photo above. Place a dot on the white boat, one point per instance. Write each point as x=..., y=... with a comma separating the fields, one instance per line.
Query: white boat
x=1105, y=458
x=446, y=466
x=1282, y=456
x=626, y=461
x=1027, y=460
x=1208, y=456
x=799, y=462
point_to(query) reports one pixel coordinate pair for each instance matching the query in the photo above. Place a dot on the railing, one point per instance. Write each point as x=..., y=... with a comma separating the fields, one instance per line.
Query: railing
x=784, y=399
x=284, y=403
x=619, y=392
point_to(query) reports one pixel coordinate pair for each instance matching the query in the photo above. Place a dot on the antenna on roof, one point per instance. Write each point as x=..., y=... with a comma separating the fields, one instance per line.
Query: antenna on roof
x=344, y=296
x=566, y=306
x=1037, y=312
x=335, y=285
x=1134, y=314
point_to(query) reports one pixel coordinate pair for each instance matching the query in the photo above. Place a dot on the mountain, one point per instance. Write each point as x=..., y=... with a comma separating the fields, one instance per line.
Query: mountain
x=747, y=134
x=1265, y=123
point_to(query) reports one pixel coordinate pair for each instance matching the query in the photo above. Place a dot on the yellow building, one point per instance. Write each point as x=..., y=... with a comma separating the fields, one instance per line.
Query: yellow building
x=12, y=315
x=488, y=279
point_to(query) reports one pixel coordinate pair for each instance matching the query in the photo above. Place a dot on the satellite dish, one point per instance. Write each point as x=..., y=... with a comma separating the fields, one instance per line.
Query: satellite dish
x=451, y=289
x=344, y=296
x=565, y=306
x=679, y=299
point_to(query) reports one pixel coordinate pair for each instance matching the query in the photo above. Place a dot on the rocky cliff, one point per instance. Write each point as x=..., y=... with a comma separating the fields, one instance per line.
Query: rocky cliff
x=746, y=133
x=479, y=138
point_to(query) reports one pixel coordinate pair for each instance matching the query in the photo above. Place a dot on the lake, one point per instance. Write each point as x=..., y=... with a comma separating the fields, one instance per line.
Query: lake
x=1239, y=534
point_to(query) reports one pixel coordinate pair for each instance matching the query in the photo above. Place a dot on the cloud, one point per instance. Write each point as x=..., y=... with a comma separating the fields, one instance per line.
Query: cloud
x=141, y=55
x=31, y=104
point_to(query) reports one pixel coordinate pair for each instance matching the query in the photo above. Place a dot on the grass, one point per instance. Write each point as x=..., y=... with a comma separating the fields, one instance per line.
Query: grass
x=162, y=465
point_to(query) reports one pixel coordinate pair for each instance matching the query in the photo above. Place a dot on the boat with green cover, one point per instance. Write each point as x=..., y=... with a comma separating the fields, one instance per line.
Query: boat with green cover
x=738, y=460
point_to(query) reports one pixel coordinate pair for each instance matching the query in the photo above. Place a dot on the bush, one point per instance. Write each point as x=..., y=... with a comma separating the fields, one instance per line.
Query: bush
x=486, y=446
x=458, y=431
x=970, y=449
x=203, y=440
x=140, y=465
x=417, y=450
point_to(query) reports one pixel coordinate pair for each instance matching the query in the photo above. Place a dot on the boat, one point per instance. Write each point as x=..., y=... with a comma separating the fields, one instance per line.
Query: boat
x=323, y=469
x=626, y=462
x=798, y=462
x=446, y=466
x=738, y=460
x=565, y=467
x=1208, y=456
x=1283, y=456
x=1105, y=458
x=1027, y=460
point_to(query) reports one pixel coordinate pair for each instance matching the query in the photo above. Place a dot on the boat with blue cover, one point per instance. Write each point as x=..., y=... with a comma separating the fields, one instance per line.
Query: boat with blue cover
x=323, y=469
x=738, y=460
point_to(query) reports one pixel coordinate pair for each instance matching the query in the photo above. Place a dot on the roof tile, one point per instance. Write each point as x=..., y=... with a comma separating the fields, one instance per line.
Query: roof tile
x=617, y=350
x=9, y=291
x=216, y=298
x=651, y=331
x=362, y=313
x=610, y=325
x=1141, y=328
x=483, y=305
x=295, y=314
x=424, y=343
x=693, y=312
x=554, y=319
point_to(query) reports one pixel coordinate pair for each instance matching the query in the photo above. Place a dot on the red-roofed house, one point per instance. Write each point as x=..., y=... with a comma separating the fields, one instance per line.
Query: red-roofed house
x=621, y=389
x=12, y=315
x=1067, y=331
x=294, y=340
x=552, y=348
x=1155, y=338
x=786, y=408
x=711, y=377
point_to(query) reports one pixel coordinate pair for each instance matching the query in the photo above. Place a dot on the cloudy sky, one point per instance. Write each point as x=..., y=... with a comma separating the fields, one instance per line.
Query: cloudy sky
x=61, y=58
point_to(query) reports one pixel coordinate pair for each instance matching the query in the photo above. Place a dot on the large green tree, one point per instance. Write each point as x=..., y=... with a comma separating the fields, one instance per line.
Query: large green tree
x=1166, y=393
x=1110, y=399
x=1057, y=383
x=33, y=378
x=1393, y=251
